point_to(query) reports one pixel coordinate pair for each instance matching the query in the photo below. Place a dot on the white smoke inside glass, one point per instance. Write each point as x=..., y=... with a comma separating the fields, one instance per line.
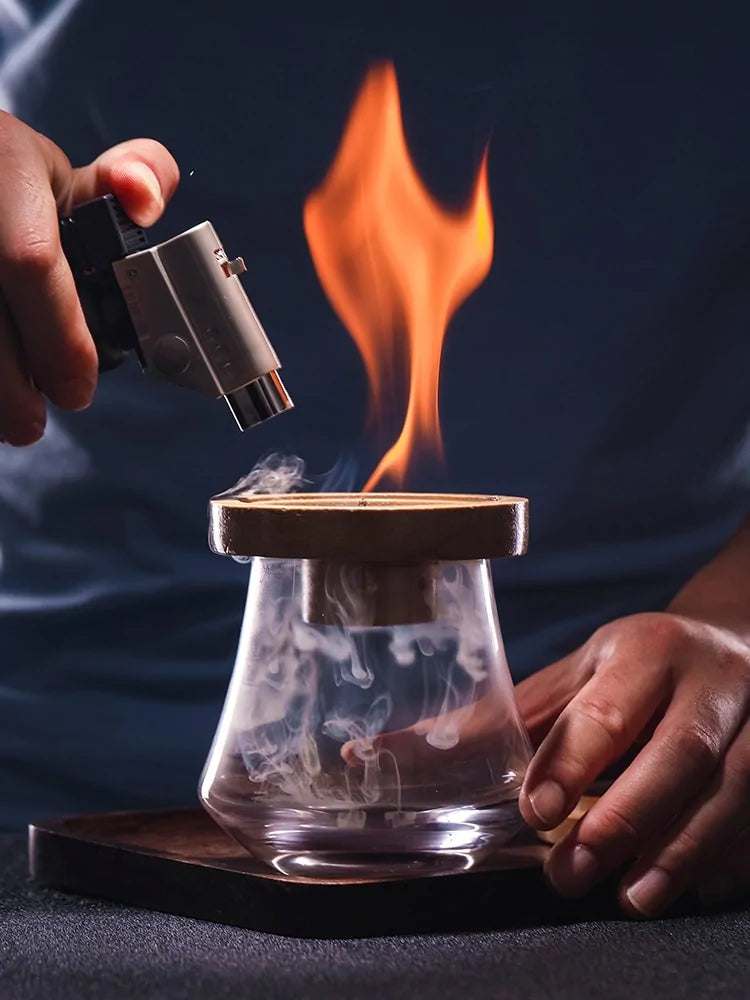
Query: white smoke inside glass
x=298, y=684
x=300, y=689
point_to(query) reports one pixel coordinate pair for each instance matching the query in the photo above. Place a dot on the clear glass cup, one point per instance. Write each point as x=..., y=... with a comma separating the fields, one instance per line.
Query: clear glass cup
x=353, y=743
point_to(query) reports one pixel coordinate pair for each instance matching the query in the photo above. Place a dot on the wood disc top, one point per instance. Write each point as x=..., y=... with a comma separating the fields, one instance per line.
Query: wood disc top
x=369, y=527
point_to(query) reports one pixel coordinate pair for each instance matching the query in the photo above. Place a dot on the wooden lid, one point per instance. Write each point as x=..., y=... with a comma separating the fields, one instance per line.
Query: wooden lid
x=369, y=527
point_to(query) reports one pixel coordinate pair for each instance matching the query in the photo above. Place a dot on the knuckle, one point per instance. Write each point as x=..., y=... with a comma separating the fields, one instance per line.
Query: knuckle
x=605, y=633
x=603, y=646
x=734, y=662
x=607, y=716
x=35, y=257
x=712, y=710
x=569, y=769
x=695, y=746
x=572, y=773
x=665, y=632
x=610, y=825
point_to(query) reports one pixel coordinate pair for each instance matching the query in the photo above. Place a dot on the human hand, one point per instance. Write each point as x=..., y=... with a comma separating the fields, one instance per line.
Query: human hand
x=46, y=349
x=679, y=815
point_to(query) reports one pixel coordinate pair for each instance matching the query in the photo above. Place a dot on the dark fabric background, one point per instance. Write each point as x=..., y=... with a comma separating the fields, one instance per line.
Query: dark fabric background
x=57, y=947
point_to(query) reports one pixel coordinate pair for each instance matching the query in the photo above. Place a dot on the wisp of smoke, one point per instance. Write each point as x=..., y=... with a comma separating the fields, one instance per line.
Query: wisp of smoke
x=274, y=473
x=277, y=473
x=24, y=43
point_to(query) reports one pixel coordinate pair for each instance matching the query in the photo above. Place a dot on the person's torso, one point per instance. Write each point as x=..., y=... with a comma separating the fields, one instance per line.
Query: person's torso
x=601, y=370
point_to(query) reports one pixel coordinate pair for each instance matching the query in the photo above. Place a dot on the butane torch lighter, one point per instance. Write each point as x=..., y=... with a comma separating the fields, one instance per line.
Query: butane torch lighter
x=179, y=305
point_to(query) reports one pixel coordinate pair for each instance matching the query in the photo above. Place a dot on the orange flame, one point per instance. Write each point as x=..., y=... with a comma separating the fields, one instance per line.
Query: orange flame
x=394, y=264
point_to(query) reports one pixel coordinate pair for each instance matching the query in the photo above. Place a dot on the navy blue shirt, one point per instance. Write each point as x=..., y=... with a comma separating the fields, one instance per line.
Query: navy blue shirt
x=602, y=370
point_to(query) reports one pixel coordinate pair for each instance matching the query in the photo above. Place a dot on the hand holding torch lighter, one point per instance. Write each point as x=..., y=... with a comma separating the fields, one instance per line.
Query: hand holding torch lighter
x=179, y=305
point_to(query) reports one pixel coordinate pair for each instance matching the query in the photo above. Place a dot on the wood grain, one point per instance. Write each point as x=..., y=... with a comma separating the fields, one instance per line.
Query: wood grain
x=400, y=528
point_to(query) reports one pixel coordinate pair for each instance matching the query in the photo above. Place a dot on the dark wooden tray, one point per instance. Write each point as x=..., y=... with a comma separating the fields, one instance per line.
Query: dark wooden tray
x=180, y=862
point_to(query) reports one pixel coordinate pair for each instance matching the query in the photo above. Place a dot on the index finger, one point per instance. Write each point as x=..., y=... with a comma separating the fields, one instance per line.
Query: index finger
x=38, y=286
x=593, y=731
x=650, y=798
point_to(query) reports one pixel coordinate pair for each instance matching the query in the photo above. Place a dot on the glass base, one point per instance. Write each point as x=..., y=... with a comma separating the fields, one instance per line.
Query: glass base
x=334, y=866
x=373, y=843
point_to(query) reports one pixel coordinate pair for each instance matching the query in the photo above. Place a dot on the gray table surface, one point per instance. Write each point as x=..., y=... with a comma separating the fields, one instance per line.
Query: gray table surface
x=60, y=947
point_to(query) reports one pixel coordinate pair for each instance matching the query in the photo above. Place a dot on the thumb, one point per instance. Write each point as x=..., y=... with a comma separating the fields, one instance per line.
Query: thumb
x=141, y=173
x=542, y=696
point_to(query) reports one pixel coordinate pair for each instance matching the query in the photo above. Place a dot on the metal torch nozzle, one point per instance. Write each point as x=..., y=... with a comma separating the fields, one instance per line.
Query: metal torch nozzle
x=259, y=401
x=179, y=305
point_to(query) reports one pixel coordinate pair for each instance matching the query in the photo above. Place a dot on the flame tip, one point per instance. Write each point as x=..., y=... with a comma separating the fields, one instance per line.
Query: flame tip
x=394, y=264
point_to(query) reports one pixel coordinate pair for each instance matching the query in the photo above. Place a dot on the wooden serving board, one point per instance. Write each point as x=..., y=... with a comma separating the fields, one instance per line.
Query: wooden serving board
x=180, y=862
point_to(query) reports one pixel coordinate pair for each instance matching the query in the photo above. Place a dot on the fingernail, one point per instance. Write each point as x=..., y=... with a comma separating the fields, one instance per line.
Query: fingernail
x=650, y=892
x=149, y=180
x=548, y=803
x=73, y=394
x=717, y=890
x=572, y=873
